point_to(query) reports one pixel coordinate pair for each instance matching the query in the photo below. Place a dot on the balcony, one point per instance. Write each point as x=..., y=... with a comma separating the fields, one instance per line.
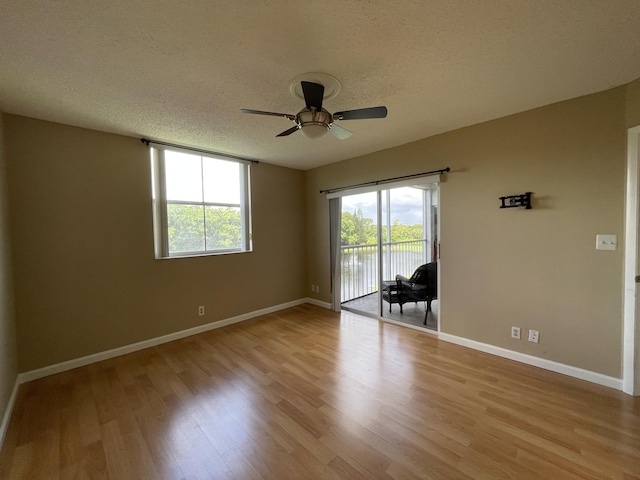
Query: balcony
x=359, y=269
x=360, y=265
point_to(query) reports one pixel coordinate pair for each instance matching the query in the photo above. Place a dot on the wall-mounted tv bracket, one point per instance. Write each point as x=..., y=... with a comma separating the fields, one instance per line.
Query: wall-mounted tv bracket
x=512, y=201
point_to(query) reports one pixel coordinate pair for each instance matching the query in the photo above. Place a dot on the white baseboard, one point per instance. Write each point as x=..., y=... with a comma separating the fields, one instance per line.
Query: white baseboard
x=318, y=303
x=97, y=357
x=7, y=412
x=575, y=372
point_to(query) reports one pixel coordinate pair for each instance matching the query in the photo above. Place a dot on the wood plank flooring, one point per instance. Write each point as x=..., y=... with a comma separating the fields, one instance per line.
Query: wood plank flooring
x=306, y=393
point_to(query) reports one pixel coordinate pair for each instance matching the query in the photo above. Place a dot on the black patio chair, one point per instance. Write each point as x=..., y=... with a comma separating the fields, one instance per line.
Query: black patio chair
x=421, y=287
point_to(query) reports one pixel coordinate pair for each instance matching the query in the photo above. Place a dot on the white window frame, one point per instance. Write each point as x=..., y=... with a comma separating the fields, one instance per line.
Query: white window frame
x=160, y=222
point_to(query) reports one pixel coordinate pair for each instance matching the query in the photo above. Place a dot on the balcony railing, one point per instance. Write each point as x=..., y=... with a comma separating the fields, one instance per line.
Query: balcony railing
x=359, y=266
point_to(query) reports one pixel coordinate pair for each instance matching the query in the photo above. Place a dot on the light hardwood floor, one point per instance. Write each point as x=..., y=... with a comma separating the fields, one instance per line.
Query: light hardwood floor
x=309, y=394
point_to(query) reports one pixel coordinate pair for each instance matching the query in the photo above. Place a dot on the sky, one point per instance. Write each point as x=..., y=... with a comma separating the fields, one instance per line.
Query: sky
x=406, y=205
x=190, y=177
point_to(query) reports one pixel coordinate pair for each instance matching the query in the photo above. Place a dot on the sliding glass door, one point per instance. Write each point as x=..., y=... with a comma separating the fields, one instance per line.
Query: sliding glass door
x=385, y=233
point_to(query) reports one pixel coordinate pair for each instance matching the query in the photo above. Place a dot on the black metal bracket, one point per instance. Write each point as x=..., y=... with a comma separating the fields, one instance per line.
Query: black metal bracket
x=512, y=201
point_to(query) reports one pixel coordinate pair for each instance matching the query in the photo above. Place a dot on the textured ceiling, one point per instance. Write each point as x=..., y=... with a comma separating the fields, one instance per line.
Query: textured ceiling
x=181, y=71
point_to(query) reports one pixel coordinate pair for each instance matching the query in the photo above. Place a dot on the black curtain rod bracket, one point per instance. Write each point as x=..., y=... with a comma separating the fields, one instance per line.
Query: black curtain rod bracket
x=386, y=180
x=148, y=142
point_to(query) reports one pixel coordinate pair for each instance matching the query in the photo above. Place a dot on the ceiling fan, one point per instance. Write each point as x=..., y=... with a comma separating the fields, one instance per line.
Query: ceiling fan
x=314, y=121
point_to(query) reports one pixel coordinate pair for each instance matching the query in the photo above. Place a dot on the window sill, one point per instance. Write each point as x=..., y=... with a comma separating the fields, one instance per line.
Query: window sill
x=203, y=254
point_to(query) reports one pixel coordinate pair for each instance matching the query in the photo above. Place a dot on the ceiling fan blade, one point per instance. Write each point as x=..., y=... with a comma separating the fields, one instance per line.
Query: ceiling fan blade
x=272, y=114
x=289, y=131
x=362, y=113
x=339, y=132
x=313, y=94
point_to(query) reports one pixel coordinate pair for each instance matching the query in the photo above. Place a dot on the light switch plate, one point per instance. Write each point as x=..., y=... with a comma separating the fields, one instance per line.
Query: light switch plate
x=606, y=242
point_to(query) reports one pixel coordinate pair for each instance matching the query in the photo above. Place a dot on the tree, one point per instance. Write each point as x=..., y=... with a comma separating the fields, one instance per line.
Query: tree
x=357, y=230
x=187, y=225
x=185, y=228
x=224, y=229
x=405, y=233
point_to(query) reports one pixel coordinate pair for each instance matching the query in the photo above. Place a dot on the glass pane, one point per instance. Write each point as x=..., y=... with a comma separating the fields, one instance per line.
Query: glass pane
x=223, y=228
x=221, y=181
x=185, y=226
x=407, y=214
x=359, y=248
x=407, y=249
x=183, y=176
x=388, y=273
x=409, y=222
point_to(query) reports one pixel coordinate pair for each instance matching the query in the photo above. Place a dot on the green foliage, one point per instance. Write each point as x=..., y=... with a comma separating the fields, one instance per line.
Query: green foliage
x=223, y=228
x=186, y=228
x=404, y=233
x=358, y=230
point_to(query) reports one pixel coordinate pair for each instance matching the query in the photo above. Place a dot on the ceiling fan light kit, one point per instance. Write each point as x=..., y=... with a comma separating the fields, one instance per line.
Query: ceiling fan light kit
x=313, y=123
x=313, y=120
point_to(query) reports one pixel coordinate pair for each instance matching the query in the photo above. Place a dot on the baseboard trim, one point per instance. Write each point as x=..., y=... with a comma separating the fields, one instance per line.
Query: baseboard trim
x=318, y=303
x=571, y=371
x=6, y=418
x=116, y=352
x=575, y=372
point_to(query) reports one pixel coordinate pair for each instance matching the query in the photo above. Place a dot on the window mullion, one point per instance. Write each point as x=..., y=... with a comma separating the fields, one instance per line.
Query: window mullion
x=204, y=208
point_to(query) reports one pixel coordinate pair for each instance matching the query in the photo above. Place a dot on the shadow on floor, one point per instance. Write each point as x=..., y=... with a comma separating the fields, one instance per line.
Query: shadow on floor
x=413, y=313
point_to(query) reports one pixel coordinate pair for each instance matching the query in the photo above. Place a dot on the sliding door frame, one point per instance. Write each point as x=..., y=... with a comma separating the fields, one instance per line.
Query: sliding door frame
x=335, y=221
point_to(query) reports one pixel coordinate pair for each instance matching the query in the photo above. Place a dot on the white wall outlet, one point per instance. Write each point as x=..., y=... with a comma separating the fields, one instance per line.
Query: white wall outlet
x=534, y=336
x=318, y=288
x=515, y=332
x=201, y=310
x=313, y=288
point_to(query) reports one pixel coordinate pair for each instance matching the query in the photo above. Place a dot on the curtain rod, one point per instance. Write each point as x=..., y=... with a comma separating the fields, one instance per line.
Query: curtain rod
x=199, y=150
x=386, y=180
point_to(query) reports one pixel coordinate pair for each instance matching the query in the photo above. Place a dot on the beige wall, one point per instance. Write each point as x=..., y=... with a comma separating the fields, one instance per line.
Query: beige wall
x=8, y=351
x=536, y=269
x=86, y=279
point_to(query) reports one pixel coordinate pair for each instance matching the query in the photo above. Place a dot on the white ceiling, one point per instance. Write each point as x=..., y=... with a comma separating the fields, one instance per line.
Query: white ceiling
x=181, y=71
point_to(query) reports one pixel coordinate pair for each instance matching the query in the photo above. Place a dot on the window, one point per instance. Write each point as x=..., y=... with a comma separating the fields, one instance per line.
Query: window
x=200, y=204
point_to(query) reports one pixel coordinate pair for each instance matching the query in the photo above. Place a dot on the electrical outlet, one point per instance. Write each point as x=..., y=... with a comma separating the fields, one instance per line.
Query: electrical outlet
x=313, y=288
x=201, y=310
x=515, y=332
x=317, y=288
x=534, y=336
